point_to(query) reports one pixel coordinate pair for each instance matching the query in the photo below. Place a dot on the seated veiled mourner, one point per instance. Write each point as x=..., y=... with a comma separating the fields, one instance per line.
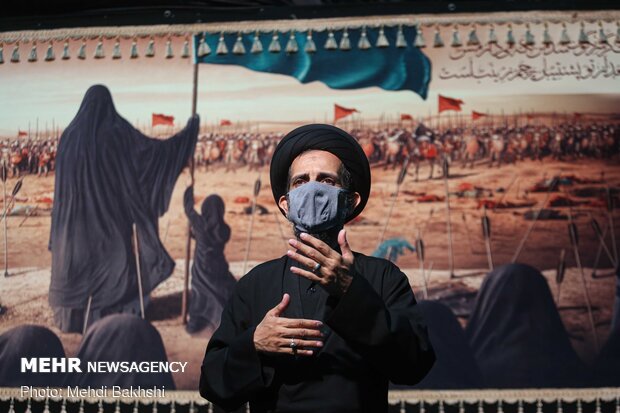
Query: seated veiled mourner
x=517, y=334
x=122, y=337
x=28, y=341
x=607, y=364
x=455, y=367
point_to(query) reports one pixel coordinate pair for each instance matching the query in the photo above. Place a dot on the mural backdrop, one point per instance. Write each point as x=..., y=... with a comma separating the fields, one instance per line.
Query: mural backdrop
x=493, y=141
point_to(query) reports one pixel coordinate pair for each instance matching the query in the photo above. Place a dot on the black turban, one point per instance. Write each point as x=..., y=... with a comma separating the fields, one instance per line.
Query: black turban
x=323, y=138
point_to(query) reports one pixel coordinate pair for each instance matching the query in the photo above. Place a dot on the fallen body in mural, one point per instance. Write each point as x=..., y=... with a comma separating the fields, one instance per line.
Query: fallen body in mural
x=110, y=178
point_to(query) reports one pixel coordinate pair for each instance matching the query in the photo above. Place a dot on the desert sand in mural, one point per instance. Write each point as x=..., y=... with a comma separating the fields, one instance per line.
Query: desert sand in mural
x=24, y=292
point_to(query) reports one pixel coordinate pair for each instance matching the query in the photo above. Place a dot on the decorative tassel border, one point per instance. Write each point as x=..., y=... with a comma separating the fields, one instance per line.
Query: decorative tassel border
x=530, y=29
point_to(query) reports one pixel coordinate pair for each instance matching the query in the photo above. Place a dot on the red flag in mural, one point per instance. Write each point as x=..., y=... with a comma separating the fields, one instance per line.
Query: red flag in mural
x=160, y=119
x=404, y=116
x=341, y=112
x=477, y=115
x=21, y=133
x=446, y=103
x=225, y=122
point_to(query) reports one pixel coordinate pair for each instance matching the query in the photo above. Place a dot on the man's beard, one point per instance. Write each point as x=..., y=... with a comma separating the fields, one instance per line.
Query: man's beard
x=330, y=236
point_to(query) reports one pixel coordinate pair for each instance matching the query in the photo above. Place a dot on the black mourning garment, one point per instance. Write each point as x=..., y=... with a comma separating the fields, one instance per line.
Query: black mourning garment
x=28, y=341
x=517, y=335
x=122, y=337
x=374, y=333
x=212, y=282
x=607, y=363
x=456, y=367
x=108, y=177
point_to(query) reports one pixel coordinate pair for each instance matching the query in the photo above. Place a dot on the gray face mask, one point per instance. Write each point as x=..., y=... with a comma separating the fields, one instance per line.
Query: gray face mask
x=315, y=207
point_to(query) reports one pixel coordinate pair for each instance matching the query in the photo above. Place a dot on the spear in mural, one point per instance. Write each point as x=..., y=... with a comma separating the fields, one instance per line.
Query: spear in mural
x=552, y=185
x=188, y=243
x=29, y=213
x=602, y=237
x=138, y=268
x=501, y=198
x=419, y=249
x=574, y=240
x=446, y=174
x=16, y=188
x=429, y=272
x=598, y=254
x=11, y=201
x=610, y=217
x=166, y=231
x=3, y=176
x=602, y=245
x=428, y=220
x=87, y=313
x=559, y=274
x=257, y=185
x=486, y=233
x=471, y=248
x=399, y=181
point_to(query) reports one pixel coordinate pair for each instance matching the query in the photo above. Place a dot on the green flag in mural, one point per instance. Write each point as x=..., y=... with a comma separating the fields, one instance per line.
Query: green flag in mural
x=346, y=59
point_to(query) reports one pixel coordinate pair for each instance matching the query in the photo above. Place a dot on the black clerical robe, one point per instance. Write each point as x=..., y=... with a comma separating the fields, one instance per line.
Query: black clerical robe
x=373, y=334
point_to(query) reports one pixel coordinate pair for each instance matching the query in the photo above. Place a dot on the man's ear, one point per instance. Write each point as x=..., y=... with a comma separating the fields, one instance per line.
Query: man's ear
x=283, y=204
x=357, y=198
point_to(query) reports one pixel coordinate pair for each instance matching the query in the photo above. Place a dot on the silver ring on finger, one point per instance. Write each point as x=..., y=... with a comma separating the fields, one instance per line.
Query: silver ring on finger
x=293, y=346
x=316, y=268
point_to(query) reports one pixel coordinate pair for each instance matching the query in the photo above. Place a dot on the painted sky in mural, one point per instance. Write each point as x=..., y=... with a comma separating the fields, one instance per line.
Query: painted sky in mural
x=483, y=76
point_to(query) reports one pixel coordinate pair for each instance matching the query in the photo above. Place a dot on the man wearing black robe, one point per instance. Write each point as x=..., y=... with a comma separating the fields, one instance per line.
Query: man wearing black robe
x=109, y=176
x=326, y=340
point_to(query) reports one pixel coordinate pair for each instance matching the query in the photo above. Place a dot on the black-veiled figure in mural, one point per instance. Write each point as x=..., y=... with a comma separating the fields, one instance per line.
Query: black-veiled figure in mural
x=212, y=282
x=122, y=338
x=456, y=367
x=615, y=320
x=607, y=364
x=28, y=341
x=517, y=334
x=109, y=176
